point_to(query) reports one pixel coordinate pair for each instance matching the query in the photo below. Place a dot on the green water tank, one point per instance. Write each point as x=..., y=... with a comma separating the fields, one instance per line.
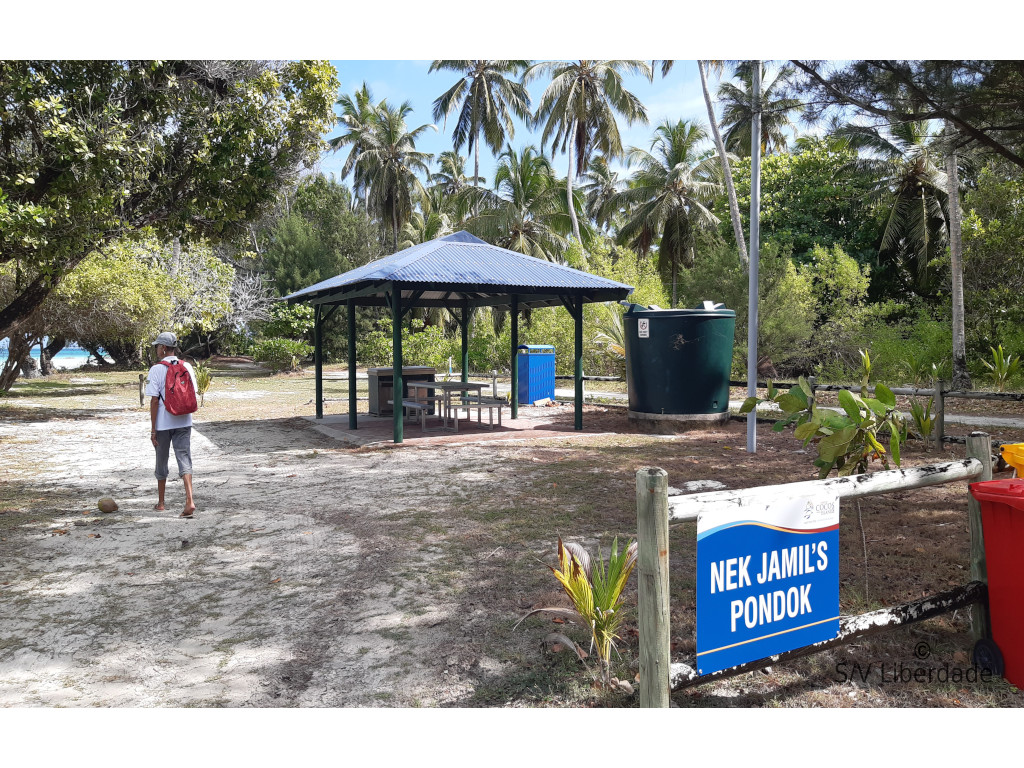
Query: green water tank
x=678, y=362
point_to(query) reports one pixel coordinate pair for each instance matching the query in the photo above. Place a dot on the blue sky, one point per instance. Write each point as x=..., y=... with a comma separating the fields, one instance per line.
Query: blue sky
x=675, y=97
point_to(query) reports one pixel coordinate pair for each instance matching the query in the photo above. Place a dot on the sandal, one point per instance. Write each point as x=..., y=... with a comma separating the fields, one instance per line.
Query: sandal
x=185, y=515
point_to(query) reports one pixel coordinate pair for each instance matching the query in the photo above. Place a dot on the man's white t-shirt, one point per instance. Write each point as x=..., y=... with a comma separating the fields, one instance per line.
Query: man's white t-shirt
x=155, y=388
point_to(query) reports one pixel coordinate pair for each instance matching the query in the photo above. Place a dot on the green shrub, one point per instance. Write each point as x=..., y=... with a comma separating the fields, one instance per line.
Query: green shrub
x=904, y=352
x=289, y=321
x=280, y=354
x=786, y=309
x=847, y=442
x=839, y=287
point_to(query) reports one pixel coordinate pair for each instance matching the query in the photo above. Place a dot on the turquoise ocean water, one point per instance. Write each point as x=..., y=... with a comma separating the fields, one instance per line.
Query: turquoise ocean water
x=66, y=358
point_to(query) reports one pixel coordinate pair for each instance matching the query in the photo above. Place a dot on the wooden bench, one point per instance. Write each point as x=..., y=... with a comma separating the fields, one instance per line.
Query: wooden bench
x=423, y=408
x=480, y=404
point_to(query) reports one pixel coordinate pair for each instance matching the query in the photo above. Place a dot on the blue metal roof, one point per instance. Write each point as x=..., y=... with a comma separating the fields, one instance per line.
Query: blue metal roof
x=462, y=260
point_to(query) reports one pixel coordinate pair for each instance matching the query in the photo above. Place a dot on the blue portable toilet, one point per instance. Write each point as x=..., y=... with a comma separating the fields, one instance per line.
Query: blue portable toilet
x=536, y=372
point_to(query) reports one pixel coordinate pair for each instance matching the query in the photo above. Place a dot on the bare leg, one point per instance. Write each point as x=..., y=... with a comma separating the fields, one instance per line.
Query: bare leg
x=161, y=486
x=190, y=505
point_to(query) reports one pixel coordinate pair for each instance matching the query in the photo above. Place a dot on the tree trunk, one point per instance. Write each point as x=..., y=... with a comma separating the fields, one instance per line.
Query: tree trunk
x=394, y=226
x=17, y=349
x=45, y=366
x=961, y=378
x=476, y=172
x=175, y=256
x=675, y=278
x=15, y=314
x=568, y=185
x=94, y=351
x=56, y=344
x=30, y=369
x=734, y=206
x=125, y=353
x=47, y=352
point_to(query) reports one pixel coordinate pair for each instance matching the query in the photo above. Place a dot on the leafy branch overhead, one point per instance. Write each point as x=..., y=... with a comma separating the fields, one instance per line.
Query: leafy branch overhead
x=848, y=441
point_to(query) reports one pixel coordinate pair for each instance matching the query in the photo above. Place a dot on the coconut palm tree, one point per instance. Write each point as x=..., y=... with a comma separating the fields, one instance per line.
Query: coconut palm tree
x=601, y=186
x=578, y=111
x=527, y=211
x=486, y=96
x=776, y=109
x=703, y=67
x=911, y=189
x=359, y=116
x=669, y=195
x=450, y=188
x=390, y=162
x=422, y=228
x=451, y=175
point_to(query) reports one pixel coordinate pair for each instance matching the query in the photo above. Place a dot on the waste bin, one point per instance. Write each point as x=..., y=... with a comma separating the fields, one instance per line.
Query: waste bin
x=1013, y=454
x=1002, y=522
x=536, y=372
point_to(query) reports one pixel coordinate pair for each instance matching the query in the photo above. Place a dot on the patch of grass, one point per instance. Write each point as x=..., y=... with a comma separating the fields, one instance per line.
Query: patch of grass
x=558, y=681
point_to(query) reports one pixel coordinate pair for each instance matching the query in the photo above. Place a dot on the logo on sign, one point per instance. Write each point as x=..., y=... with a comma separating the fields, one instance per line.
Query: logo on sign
x=643, y=327
x=767, y=578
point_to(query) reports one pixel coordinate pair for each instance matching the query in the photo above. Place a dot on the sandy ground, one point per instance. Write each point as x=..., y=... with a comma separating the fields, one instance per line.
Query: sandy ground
x=285, y=589
x=319, y=574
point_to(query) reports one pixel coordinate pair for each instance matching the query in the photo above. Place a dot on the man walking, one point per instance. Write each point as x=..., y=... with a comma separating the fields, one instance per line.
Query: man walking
x=169, y=429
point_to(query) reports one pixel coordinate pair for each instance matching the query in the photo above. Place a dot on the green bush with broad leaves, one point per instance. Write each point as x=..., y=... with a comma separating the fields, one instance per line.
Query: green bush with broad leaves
x=847, y=442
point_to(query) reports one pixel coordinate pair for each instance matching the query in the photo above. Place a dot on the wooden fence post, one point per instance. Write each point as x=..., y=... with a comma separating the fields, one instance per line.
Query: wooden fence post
x=979, y=446
x=813, y=382
x=653, y=599
x=939, y=427
x=142, y=396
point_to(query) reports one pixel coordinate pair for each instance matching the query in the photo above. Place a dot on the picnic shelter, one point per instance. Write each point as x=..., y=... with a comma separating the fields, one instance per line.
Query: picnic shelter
x=457, y=272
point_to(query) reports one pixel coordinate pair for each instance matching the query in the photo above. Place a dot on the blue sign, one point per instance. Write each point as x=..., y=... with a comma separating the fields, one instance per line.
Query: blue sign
x=767, y=578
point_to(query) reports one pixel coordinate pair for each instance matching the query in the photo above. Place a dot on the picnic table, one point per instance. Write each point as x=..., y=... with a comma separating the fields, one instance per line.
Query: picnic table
x=455, y=396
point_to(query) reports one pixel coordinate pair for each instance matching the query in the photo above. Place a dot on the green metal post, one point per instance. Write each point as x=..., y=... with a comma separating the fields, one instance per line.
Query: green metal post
x=515, y=357
x=465, y=342
x=318, y=359
x=396, y=340
x=353, y=421
x=578, y=317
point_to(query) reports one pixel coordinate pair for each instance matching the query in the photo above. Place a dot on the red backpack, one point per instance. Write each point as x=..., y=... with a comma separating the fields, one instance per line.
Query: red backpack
x=179, y=394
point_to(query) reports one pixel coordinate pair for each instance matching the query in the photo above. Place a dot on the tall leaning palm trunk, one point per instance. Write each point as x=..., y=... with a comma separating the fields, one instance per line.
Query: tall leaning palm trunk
x=734, y=206
x=961, y=378
x=568, y=185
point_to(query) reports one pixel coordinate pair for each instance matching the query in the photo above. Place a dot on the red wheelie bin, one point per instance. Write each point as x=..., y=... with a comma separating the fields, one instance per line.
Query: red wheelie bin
x=1002, y=521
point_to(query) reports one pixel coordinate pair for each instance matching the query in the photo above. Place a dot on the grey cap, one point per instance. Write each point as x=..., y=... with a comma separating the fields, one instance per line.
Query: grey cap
x=166, y=338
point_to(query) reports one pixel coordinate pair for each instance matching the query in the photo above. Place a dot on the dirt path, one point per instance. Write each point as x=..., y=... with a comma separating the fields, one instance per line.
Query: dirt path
x=297, y=583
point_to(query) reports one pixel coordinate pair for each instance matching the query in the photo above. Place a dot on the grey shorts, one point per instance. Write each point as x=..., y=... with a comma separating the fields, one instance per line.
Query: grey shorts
x=181, y=439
